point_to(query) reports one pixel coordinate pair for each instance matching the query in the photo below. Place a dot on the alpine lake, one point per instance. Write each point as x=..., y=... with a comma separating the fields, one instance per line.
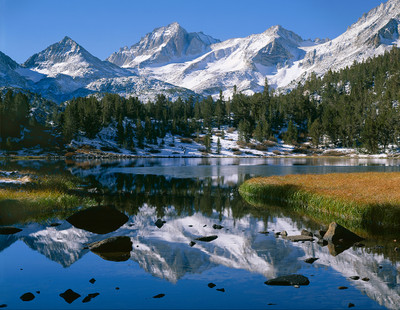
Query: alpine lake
x=163, y=261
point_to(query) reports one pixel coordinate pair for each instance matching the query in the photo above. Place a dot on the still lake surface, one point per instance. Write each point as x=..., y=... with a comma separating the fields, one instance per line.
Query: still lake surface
x=191, y=195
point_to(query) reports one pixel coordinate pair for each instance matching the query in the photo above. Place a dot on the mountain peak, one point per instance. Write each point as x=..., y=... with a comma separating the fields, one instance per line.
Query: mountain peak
x=163, y=45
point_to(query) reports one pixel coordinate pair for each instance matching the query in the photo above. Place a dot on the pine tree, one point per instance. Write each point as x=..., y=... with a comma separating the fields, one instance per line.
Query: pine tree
x=218, y=146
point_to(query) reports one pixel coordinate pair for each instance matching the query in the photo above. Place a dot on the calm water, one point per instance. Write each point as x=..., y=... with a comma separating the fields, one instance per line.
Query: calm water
x=191, y=195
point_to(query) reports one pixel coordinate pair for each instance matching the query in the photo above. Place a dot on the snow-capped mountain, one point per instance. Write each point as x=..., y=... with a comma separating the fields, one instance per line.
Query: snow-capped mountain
x=175, y=62
x=374, y=33
x=163, y=45
x=243, y=62
x=278, y=54
x=69, y=58
x=65, y=70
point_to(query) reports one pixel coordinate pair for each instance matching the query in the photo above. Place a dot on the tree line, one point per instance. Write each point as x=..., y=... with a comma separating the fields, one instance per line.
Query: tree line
x=357, y=106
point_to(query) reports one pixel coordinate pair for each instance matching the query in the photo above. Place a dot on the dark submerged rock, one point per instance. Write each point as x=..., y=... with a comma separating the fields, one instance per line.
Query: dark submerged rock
x=207, y=238
x=211, y=285
x=216, y=226
x=99, y=220
x=92, y=280
x=9, y=230
x=159, y=296
x=351, y=305
x=27, y=297
x=115, y=249
x=298, y=238
x=89, y=297
x=3, y=305
x=264, y=232
x=365, y=279
x=354, y=277
x=310, y=260
x=55, y=224
x=342, y=287
x=192, y=243
x=289, y=280
x=221, y=290
x=337, y=232
x=70, y=296
x=159, y=223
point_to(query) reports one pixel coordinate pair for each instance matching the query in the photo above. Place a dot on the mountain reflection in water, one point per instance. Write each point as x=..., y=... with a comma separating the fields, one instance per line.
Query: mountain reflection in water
x=190, y=207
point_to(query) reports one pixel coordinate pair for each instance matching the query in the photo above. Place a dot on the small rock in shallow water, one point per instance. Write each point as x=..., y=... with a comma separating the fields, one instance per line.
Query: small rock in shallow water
x=216, y=226
x=221, y=290
x=92, y=280
x=159, y=296
x=271, y=304
x=351, y=305
x=310, y=260
x=298, y=238
x=192, y=243
x=8, y=230
x=342, y=287
x=27, y=297
x=204, y=225
x=211, y=285
x=55, y=224
x=37, y=292
x=3, y=305
x=365, y=279
x=117, y=288
x=354, y=277
x=190, y=225
x=89, y=297
x=264, y=232
x=293, y=279
x=69, y=296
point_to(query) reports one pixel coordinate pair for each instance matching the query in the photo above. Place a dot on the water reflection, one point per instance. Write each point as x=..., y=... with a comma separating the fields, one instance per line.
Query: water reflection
x=190, y=207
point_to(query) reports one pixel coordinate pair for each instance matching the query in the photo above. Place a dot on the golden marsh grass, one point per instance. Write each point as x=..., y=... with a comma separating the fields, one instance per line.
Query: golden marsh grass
x=360, y=199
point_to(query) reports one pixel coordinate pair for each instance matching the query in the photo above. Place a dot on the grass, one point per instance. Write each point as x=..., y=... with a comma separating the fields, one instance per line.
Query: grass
x=43, y=196
x=367, y=201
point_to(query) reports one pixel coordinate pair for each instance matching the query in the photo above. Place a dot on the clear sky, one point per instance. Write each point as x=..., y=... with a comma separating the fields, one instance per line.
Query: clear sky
x=103, y=26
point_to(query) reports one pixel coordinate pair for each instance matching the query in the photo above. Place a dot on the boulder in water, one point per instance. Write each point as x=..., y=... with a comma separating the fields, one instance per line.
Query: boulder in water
x=116, y=249
x=292, y=279
x=99, y=220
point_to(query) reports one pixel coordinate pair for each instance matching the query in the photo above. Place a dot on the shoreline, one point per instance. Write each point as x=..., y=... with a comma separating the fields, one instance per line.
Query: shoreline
x=363, y=201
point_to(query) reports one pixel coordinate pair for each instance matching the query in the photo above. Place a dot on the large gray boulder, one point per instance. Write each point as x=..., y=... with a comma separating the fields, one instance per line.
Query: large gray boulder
x=337, y=233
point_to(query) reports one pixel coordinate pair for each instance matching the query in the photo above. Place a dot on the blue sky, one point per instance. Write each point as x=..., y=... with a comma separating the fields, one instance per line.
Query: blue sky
x=103, y=26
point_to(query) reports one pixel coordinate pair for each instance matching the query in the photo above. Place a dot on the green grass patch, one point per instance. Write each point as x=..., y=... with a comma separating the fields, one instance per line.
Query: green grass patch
x=366, y=202
x=40, y=198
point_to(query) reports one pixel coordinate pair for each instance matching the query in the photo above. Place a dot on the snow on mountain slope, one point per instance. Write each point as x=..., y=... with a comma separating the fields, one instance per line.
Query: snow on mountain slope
x=143, y=88
x=10, y=73
x=163, y=45
x=65, y=70
x=373, y=34
x=243, y=62
x=278, y=54
x=69, y=58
